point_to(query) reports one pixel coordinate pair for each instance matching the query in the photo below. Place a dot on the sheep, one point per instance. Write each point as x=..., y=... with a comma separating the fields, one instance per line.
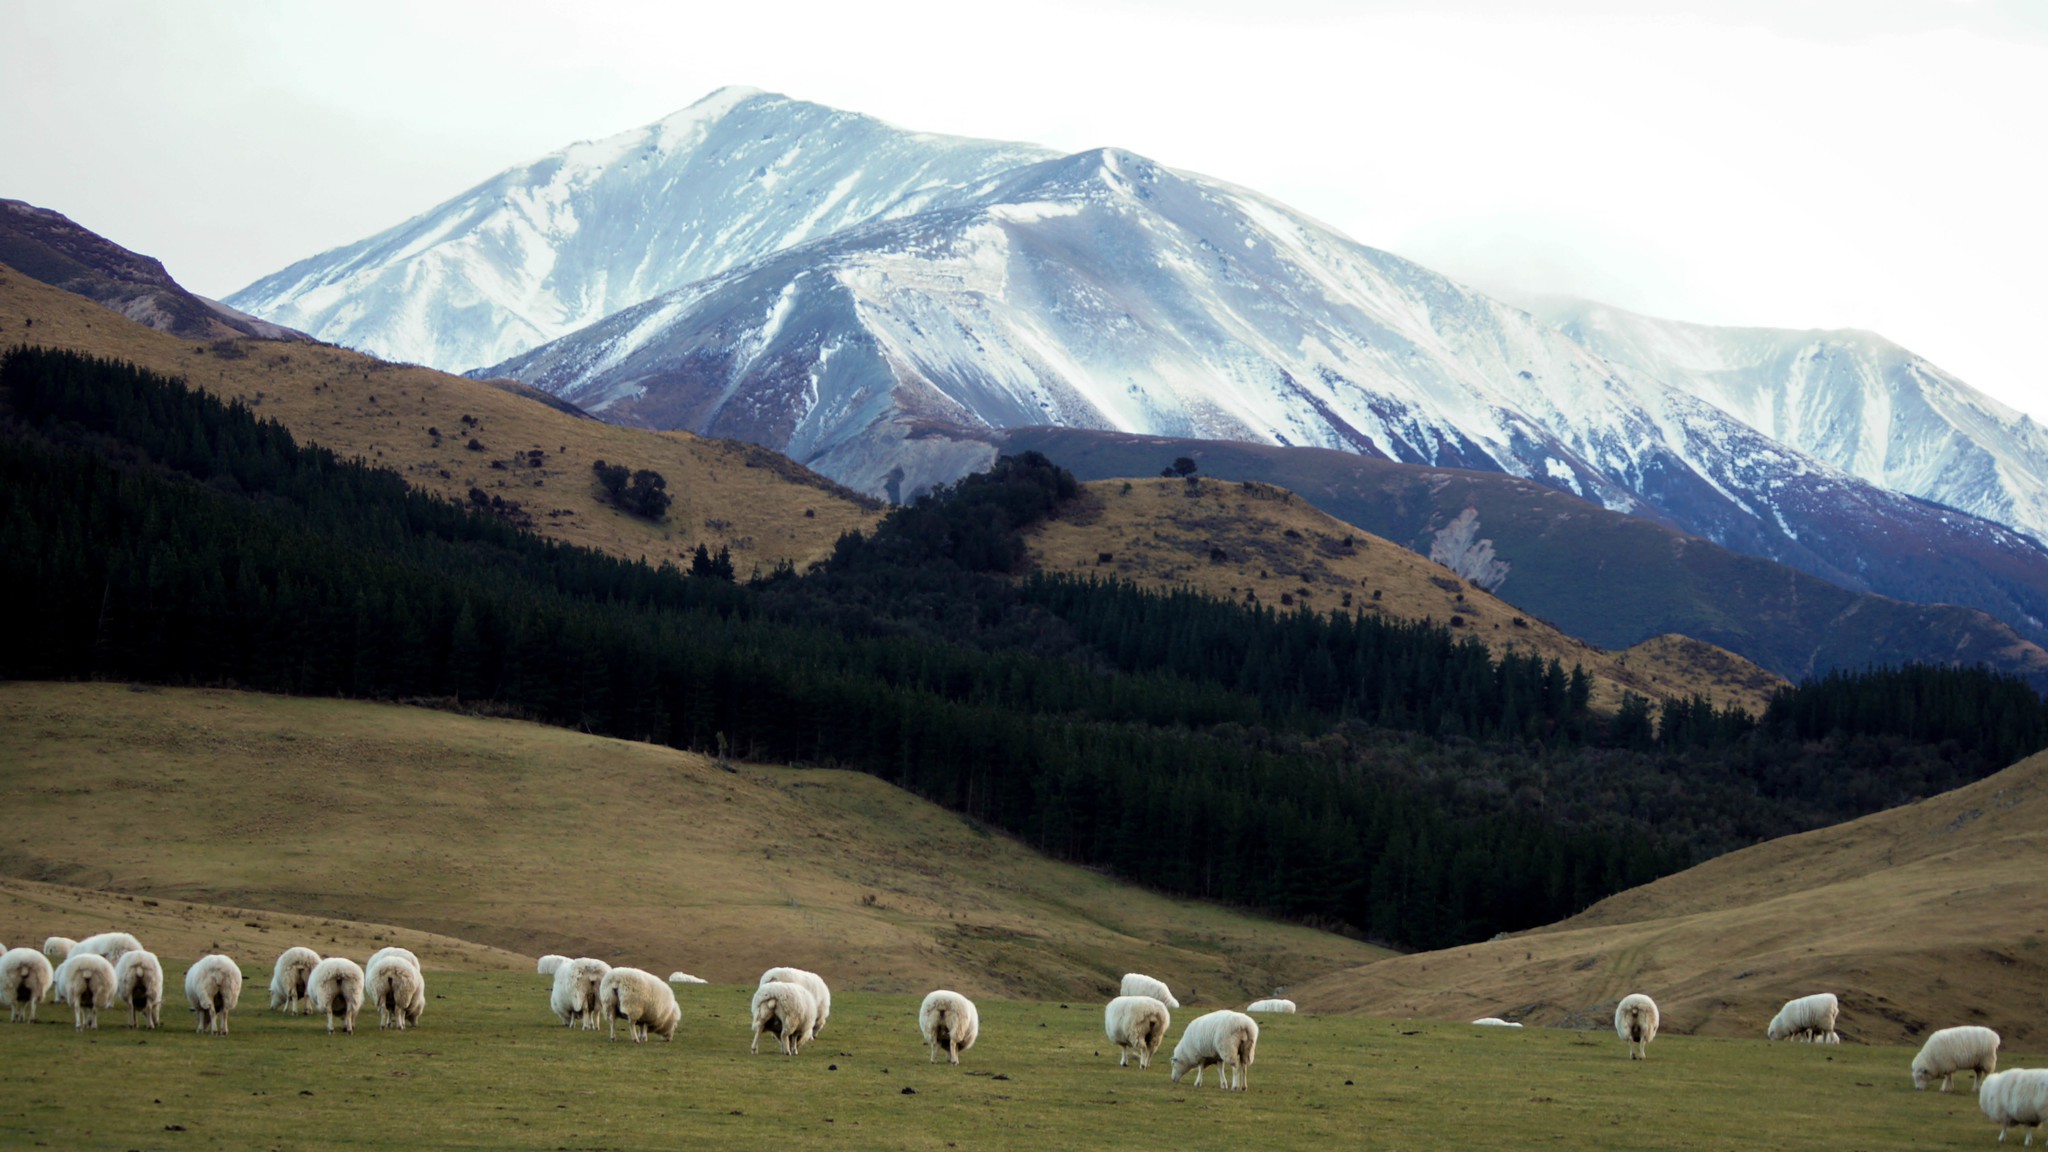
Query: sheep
x=1222, y=1037
x=57, y=981
x=1953, y=1050
x=335, y=987
x=684, y=978
x=948, y=1023
x=785, y=1010
x=643, y=1002
x=288, y=979
x=2018, y=1096
x=1136, y=1024
x=821, y=996
x=1272, y=1004
x=1635, y=1020
x=25, y=975
x=391, y=950
x=139, y=983
x=574, y=998
x=1807, y=1018
x=1496, y=1022
x=213, y=986
x=1139, y=984
x=58, y=947
x=547, y=964
x=397, y=988
x=88, y=987
x=109, y=946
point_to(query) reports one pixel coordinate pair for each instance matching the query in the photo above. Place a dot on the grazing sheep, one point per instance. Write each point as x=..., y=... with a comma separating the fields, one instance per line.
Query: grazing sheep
x=1136, y=1024
x=1954, y=1050
x=391, y=950
x=787, y=1011
x=1139, y=984
x=88, y=987
x=684, y=978
x=397, y=988
x=58, y=947
x=57, y=981
x=1635, y=1020
x=1807, y=1018
x=949, y=1023
x=1223, y=1037
x=109, y=946
x=26, y=977
x=643, y=1002
x=288, y=979
x=213, y=986
x=1272, y=1004
x=336, y=988
x=2018, y=1096
x=1496, y=1022
x=139, y=983
x=547, y=964
x=574, y=999
x=821, y=996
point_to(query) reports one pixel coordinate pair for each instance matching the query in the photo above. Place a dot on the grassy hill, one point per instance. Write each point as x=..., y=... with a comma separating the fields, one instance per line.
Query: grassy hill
x=1919, y=917
x=534, y=839
x=727, y=494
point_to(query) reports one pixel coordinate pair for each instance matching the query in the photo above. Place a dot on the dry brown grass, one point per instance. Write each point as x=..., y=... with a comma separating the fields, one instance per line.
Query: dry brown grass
x=1920, y=917
x=1280, y=551
x=727, y=493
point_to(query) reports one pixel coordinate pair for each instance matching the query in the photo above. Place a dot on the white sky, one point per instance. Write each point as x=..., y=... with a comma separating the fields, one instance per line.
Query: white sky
x=1877, y=164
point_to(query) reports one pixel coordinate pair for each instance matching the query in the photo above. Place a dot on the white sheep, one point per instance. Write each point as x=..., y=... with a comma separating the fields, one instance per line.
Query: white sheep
x=396, y=986
x=139, y=983
x=391, y=950
x=335, y=987
x=288, y=979
x=684, y=978
x=1807, y=1018
x=643, y=1002
x=1222, y=1037
x=2018, y=1096
x=213, y=986
x=1635, y=1020
x=57, y=981
x=26, y=978
x=88, y=987
x=787, y=1011
x=1136, y=1024
x=109, y=946
x=547, y=964
x=1272, y=1004
x=949, y=1024
x=821, y=996
x=1496, y=1022
x=58, y=947
x=1954, y=1050
x=1139, y=984
x=574, y=998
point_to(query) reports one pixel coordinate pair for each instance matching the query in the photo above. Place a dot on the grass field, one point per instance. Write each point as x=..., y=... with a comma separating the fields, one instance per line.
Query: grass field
x=489, y=1068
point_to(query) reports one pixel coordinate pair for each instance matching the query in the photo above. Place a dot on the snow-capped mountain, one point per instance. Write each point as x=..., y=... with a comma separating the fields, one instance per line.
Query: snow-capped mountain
x=1854, y=399
x=541, y=250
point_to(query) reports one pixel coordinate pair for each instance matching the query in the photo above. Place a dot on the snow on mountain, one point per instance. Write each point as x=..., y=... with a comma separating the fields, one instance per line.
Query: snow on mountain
x=543, y=249
x=1851, y=398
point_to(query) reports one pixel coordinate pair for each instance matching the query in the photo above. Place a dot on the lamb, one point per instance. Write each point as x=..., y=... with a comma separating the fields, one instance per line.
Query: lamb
x=26, y=978
x=1222, y=1037
x=1635, y=1020
x=574, y=998
x=109, y=946
x=2018, y=1096
x=643, y=1002
x=1807, y=1018
x=397, y=988
x=785, y=1010
x=684, y=978
x=1136, y=1024
x=1272, y=1004
x=949, y=1023
x=1496, y=1022
x=335, y=987
x=139, y=983
x=1953, y=1050
x=58, y=947
x=821, y=996
x=213, y=986
x=288, y=979
x=1139, y=984
x=88, y=987
x=548, y=963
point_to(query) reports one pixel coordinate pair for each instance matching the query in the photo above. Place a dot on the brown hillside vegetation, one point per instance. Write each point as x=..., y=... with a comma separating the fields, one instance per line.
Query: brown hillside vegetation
x=1921, y=917
x=1255, y=543
x=536, y=839
x=727, y=494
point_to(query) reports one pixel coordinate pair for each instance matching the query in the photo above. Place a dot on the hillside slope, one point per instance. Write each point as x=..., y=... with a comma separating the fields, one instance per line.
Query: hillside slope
x=539, y=839
x=1919, y=917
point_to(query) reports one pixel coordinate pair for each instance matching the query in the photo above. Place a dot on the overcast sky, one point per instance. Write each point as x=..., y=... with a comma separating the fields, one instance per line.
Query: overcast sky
x=1875, y=164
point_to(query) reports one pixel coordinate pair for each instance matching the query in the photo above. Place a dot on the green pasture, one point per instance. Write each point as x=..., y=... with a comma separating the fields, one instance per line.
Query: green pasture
x=490, y=1069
